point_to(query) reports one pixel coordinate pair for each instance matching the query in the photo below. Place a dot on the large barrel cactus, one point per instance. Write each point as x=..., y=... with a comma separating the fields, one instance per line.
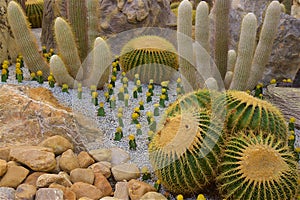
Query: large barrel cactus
x=152, y=57
x=185, y=151
x=34, y=12
x=255, y=166
x=244, y=111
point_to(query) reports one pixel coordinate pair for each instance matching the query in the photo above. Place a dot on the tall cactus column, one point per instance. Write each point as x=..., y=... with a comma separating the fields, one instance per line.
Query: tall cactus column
x=222, y=34
x=3, y=32
x=185, y=44
x=77, y=16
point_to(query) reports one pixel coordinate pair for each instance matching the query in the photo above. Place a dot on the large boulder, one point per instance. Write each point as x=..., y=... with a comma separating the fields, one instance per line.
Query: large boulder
x=30, y=115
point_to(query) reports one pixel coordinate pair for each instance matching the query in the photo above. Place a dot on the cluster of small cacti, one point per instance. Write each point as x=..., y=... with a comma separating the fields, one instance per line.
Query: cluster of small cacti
x=34, y=12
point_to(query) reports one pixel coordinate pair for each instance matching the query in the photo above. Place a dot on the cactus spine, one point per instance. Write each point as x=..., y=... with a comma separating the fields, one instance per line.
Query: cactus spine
x=185, y=151
x=34, y=12
x=25, y=39
x=77, y=16
x=264, y=46
x=222, y=34
x=101, y=64
x=3, y=33
x=93, y=20
x=257, y=166
x=245, y=52
x=185, y=44
x=60, y=72
x=67, y=46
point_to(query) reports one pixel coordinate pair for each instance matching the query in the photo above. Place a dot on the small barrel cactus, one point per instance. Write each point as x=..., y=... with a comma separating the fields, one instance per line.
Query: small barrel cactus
x=184, y=153
x=152, y=57
x=244, y=111
x=257, y=166
x=34, y=12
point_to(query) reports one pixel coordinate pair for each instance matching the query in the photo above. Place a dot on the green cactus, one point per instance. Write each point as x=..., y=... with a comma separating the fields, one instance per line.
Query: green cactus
x=67, y=47
x=221, y=34
x=93, y=21
x=185, y=151
x=3, y=32
x=257, y=166
x=265, y=44
x=185, y=44
x=34, y=12
x=246, y=48
x=244, y=111
x=26, y=40
x=152, y=57
x=77, y=16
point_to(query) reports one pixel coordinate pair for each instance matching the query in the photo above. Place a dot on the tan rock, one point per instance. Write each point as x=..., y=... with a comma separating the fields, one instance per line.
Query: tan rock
x=119, y=156
x=68, y=193
x=49, y=193
x=138, y=188
x=4, y=153
x=22, y=109
x=85, y=198
x=68, y=161
x=58, y=143
x=101, y=154
x=110, y=198
x=25, y=191
x=85, y=160
x=32, y=178
x=82, y=175
x=86, y=190
x=125, y=171
x=121, y=191
x=46, y=179
x=153, y=196
x=102, y=167
x=37, y=158
x=3, y=167
x=103, y=184
x=14, y=176
x=66, y=181
x=13, y=163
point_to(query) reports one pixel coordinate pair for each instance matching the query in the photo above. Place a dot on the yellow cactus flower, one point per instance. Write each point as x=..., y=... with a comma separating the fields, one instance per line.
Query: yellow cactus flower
x=113, y=98
x=121, y=90
x=151, y=81
x=163, y=90
x=289, y=80
x=123, y=73
x=125, y=80
x=134, y=116
x=156, y=105
x=51, y=50
x=163, y=96
x=284, y=80
x=126, y=96
x=65, y=86
x=19, y=71
x=4, y=72
x=101, y=104
x=179, y=80
x=292, y=137
x=141, y=103
x=138, y=82
x=114, y=64
x=119, y=115
x=138, y=126
x=136, y=76
x=18, y=65
x=5, y=66
x=39, y=73
x=150, y=87
x=179, y=197
x=114, y=69
x=164, y=83
x=137, y=109
x=149, y=114
x=131, y=137
x=50, y=78
x=94, y=95
x=148, y=94
x=273, y=81
x=106, y=94
x=79, y=89
x=201, y=197
x=32, y=74
x=159, y=182
x=93, y=87
x=297, y=149
x=79, y=85
x=292, y=119
x=6, y=62
x=110, y=86
x=120, y=110
x=119, y=129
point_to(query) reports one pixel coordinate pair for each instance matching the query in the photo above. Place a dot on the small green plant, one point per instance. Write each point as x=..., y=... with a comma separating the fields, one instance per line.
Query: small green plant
x=132, y=142
x=101, y=111
x=257, y=166
x=118, y=134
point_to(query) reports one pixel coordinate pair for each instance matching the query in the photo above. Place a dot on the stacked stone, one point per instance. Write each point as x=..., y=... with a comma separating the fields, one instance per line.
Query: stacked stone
x=52, y=170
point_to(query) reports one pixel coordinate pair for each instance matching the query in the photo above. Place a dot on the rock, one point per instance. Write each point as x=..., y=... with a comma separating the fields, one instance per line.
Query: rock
x=7, y=193
x=287, y=100
x=68, y=193
x=14, y=176
x=3, y=167
x=101, y=154
x=85, y=198
x=66, y=179
x=119, y=156
x=68, y=161
x=85, y=160
x=153, y=196
x=125, y=172
x=58, y=143
x=102, y=167
x=103, y=184
x=45, y=180
x=25, y=192
x=13, y=163
x=121, y=191
x=82, y=175
x=32, y=178
x=4, y=153
x=36, y=158
x=295, y=10
x=109, y=198
x=138, y=188
x=86, y=190
x=49, y=193
x=124, y=15
x=30, y=115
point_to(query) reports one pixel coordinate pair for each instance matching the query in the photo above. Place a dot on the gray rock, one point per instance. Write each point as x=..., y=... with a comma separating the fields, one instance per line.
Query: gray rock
x=25, y=192
x=125, y=172
x=101, y=154
x=49, y=193
x=121, y=191
x=7, y=193
x=119, y=156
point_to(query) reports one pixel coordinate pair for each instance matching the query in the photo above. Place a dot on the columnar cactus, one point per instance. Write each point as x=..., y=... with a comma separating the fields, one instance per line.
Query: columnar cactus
x=93, y=21
x=4, y=32
x=185, y=152
x=34, y=12
x=152, y=57
x=246, y=48
x=26, y=40
x=258, y=166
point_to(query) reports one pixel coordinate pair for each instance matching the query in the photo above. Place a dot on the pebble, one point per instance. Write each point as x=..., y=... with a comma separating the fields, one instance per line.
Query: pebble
x=86, y=190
